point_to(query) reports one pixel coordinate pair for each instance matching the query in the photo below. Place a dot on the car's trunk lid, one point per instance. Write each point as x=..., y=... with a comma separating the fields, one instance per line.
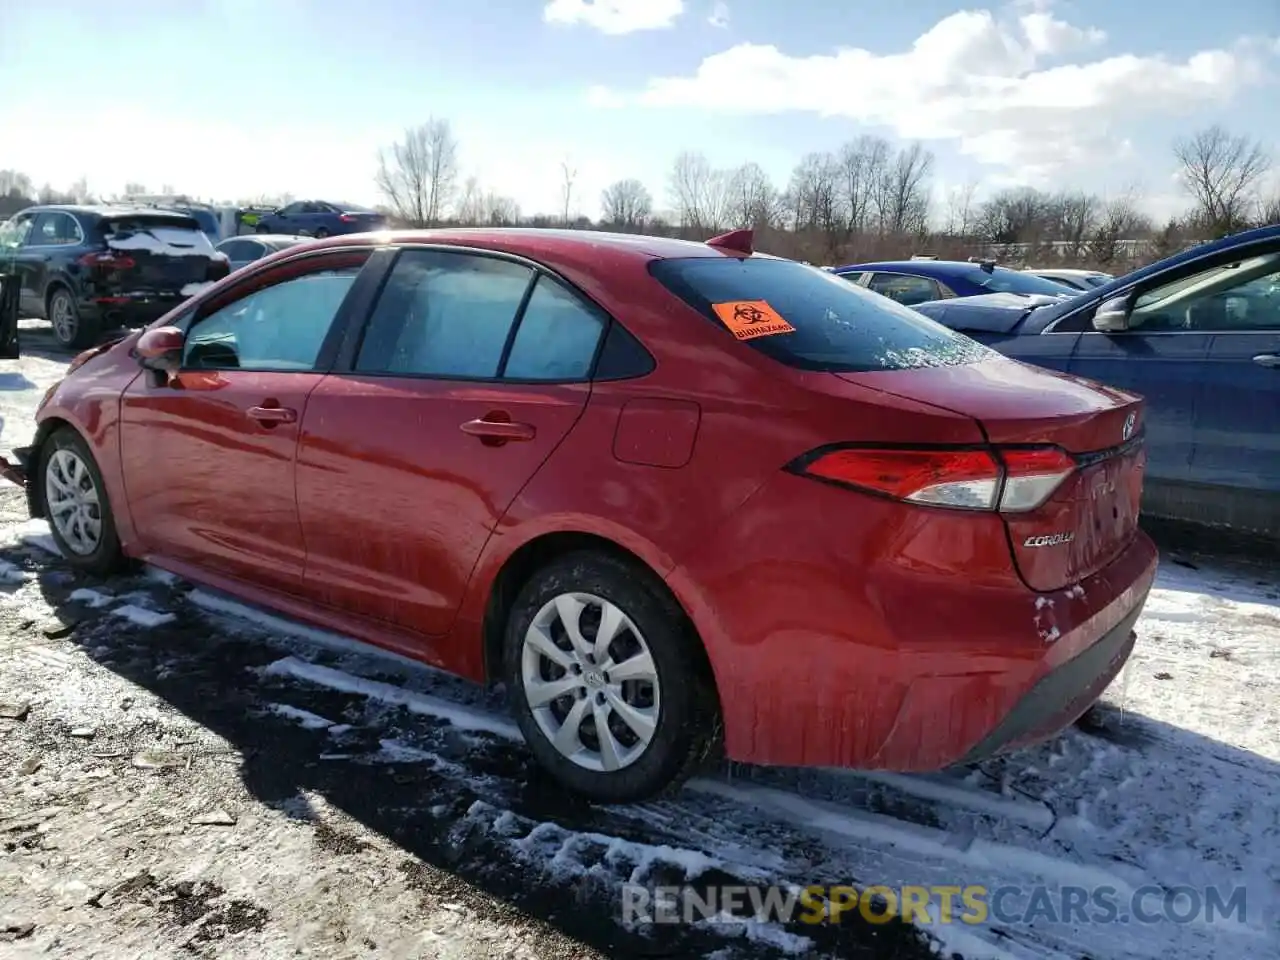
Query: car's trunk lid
x=157, y=253
x=1093, y=516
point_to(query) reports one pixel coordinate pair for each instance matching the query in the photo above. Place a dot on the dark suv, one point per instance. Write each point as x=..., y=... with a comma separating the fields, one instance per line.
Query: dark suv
x=87, y=269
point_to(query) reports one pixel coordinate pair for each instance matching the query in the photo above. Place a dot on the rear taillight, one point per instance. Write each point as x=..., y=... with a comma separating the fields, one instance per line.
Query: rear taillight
x=107, y=261
x=347, y=218
x=1008, y=479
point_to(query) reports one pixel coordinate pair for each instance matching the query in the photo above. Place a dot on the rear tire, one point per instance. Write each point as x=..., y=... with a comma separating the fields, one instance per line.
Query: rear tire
x=70, y=329
x=321, y=233
x=76, y=505
x=659, y=719
x=261, y=228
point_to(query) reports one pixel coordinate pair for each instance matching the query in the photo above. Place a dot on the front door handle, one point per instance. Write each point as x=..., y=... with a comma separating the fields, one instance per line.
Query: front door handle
x=498, y=428
x=273, y=415
x=1267, y=359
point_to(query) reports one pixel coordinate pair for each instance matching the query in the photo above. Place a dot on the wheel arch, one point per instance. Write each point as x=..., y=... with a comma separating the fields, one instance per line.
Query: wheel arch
x=35, y=488
x=545, y=548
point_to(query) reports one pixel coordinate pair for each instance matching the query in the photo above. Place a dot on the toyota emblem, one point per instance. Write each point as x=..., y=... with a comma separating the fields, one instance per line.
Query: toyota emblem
x=1129, y=423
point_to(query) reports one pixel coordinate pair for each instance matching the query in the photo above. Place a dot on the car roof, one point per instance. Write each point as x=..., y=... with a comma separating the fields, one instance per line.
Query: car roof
x=102, y=209
x=266, y=238
x=922, y=267
x=1065, y=271
x=537, y=243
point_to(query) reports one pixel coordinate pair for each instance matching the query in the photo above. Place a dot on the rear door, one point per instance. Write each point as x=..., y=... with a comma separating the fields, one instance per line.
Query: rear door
x=472, y=369
x=208, y=457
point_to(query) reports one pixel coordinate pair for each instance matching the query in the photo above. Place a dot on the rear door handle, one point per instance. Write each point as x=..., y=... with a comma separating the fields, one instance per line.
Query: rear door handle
x=498, y=427
x=273, y=414
x=1267, y=359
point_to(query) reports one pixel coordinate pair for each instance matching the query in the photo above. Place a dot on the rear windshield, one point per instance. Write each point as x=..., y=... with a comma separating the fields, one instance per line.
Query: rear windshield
x=1003, y=280
x=170, y=236
x=810, y=319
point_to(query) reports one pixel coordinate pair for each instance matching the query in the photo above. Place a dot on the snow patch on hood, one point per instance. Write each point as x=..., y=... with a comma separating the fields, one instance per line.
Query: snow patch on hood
x=163, y=241
x=191, y=289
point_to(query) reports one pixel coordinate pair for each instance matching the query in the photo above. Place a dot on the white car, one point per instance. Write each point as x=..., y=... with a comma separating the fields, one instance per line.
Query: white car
x=1075, y=279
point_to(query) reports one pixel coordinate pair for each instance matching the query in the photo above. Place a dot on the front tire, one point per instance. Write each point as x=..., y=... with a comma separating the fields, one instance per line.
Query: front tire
x=70, y=329
x=604, y=679
x=321, y=233
x=76, y=505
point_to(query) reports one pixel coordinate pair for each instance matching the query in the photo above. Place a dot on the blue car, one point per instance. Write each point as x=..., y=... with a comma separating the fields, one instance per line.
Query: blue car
x=319, y=218
x=1197, y=334
x=923, y=279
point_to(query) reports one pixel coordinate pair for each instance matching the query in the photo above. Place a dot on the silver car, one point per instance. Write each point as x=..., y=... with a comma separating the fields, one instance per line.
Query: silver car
x=244, y=250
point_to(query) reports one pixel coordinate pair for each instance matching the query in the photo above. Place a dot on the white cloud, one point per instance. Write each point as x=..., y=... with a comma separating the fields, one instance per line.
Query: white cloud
x=615, y=16
x=719, y=15
x=976, y=79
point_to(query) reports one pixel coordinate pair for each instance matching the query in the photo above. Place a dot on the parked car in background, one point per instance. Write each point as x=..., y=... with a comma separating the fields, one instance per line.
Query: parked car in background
x=499, y=451
x=318, y=218
x=1197, y=334
x=242, y=251
x=202, y=213
x=90, y=268
x=1075, y=279
x=920, y=280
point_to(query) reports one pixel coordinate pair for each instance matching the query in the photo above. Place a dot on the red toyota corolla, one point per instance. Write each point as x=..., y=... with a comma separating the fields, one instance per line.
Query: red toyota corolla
x=663, y=490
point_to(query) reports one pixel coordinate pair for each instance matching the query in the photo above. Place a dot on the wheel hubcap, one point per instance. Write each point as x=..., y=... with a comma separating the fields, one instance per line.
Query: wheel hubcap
x=590, y=681
x=63, y=317
x=72, y=498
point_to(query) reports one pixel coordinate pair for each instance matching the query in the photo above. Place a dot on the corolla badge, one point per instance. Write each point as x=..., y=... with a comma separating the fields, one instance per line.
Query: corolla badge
x=1130, y=422
x=1049, y=540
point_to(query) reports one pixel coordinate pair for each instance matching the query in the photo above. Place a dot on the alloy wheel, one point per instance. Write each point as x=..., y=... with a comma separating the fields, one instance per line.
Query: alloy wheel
x=73, y=501
x=590, y=681
x=62, y=314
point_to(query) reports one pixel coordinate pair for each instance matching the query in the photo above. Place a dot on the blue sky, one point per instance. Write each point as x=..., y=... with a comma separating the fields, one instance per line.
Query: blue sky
x=234, y=98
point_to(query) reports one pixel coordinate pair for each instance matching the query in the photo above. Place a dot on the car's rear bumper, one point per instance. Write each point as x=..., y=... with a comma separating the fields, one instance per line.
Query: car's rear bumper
x=856, y=640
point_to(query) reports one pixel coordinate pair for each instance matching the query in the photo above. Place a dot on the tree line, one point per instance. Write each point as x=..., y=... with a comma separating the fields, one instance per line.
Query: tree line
x=869, y=199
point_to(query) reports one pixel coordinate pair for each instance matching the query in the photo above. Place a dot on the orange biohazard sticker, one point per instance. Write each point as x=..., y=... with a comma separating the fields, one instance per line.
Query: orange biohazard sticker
x=748, y=319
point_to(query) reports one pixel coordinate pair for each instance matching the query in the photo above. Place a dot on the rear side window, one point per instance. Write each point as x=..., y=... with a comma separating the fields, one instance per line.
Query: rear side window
x=812, y=320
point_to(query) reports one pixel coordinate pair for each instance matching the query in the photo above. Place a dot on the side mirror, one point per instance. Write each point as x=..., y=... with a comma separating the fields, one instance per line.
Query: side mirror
x=1113, y=315
x=161, y=348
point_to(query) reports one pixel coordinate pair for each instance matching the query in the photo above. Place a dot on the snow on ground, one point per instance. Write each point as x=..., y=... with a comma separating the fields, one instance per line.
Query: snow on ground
x=192, y=775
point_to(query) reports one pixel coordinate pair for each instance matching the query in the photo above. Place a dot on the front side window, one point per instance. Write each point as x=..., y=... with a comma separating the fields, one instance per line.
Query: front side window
x=904, y=289
x=279, y=327
x=1244, y=295
x=14, y=233
x=809, y=319
x=444, y=314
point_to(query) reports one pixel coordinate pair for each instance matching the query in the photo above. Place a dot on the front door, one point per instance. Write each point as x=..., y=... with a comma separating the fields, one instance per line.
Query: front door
x=472, y=370
x=208, y=456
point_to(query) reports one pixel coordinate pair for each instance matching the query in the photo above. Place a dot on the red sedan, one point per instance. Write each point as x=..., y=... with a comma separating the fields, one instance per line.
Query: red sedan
x=666, y=491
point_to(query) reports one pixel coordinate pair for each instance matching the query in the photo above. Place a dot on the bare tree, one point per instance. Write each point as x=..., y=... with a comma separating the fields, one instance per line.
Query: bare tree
x=1221, y=172
x=135, y=189
x=13, y=183
x=814, y=193
x=1073, y=217
x=903, y=198
x=751, y=200
x=470, y=206
x=1119, y=223
x=570, y=176
x=419, y=174
x=500, y=211
x=862, y=165
x=961, y=210
x=626, y=204
x=1269, y=209
x=698, y=192
x=1016, y=215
